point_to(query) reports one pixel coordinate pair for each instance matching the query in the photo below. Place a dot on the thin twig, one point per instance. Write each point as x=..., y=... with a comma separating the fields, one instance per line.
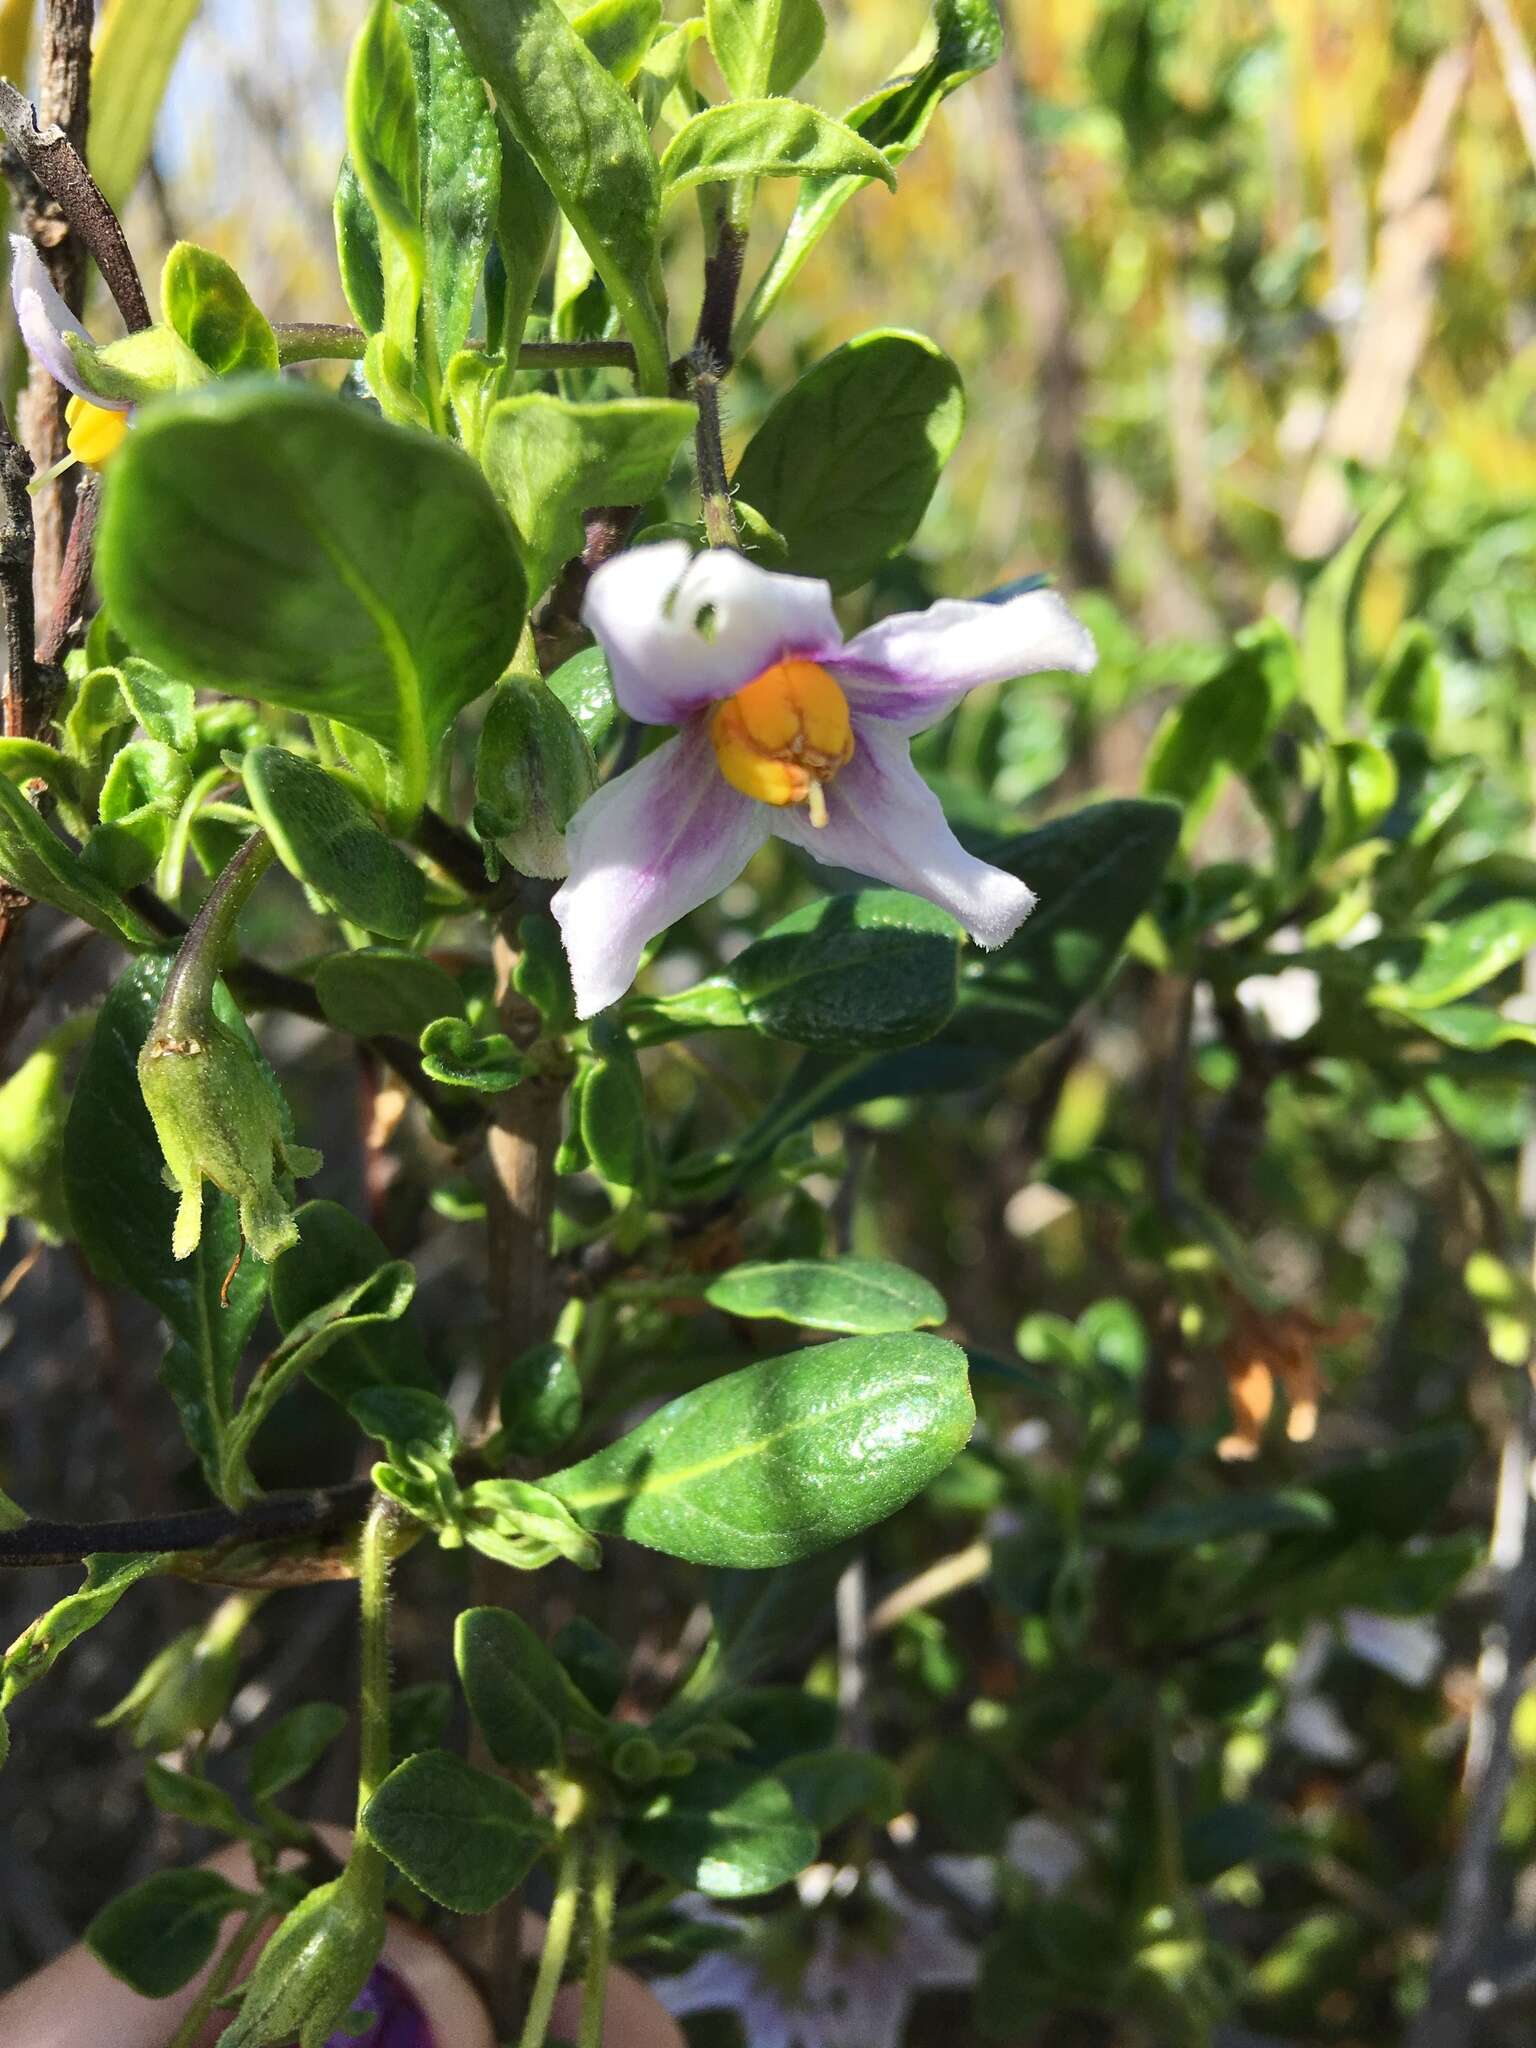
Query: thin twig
x=21, y=691
x=316, y=341
x=72, y=600
x=274, y=1520
x=1515, y=62
x=49, y=156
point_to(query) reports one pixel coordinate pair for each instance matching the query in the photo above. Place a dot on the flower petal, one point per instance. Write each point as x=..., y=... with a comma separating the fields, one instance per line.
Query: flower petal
x=909, y=669
x=653, y=844
x=681, y=631
x=884, y=821
x=44, y=320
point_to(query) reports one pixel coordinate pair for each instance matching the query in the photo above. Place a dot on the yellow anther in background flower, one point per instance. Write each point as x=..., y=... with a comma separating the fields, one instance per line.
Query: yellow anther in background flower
x=95, y=432
x=784, y=735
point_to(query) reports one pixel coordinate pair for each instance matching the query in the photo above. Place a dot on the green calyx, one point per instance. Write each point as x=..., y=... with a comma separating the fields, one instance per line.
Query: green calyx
x=219, y=1118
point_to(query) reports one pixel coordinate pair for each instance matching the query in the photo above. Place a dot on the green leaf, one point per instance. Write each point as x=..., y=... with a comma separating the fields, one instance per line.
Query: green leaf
x=404, y=1418
x=36, y=861
x=455, y=1054
x=723, y=1831
x=460, y=170
x=846, y=462
x=1408, y=687
x=764, y=47
x=1225, y=723
x=124, y=1214
x=1469, y=1027
x=525, y=225
x=549, y=460
x=829, y=1787
x=460, y=1835
x=862, y=1297
x=619, y=33
x=771, y=1463
x=1328, y=620
x=164, y=707
x=1183, y=1525
x=131, y=63
x=380, y=1299
x=203, y=299
x=337, y=1250
x=281, y=544
x=522, y=1700
x=610, y=1109
x=290, y=1749
x=1095, y=873
x=540, y=1400
x=1459, y=958
x=966, y=38
x=108, y=1576
x=385, y=992
x=192, y=1799
x=384, y=142
x=158, y=1936
x=585, y=135
x=767, y=138
x=325, y=837
x=358, y=256
x=585, y=687
x=873, y=968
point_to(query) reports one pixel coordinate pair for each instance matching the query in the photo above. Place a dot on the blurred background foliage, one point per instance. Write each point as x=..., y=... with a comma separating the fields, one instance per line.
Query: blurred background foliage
x=1193, y=1668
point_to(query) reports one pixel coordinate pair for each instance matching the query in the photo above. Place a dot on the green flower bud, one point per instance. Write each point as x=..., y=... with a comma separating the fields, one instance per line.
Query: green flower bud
x=314, y=1967
x=218, y=1117
x=184, y=1691
x=636, y=1760
x=216, y=1108
x=534, y=770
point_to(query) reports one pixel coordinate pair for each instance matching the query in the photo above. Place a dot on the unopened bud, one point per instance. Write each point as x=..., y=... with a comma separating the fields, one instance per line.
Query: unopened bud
x=314, y=1968
x=183, y=1693
x=218, y=1117
x=534, y=770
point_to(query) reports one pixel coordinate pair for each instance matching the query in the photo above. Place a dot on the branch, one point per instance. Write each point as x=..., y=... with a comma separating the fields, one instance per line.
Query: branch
x=282, y=1517
x=52, y=160
x=21, y=704
x=71, y=604
x=327, y=341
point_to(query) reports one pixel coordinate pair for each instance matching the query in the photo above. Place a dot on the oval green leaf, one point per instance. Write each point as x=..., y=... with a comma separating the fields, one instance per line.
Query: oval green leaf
x=859, y=1297
x=767, y=139
x=846, y=462
x=278, y=543
x=723, y=1831
x=325, y=837
x=875, y=968
x=783, y=1458
x=460, y=1835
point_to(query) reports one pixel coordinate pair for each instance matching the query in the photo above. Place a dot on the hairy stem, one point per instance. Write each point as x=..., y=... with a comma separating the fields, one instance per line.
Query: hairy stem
x=224, y=1973
x=594, y=1994
x=188, y=999
x=557, y=1941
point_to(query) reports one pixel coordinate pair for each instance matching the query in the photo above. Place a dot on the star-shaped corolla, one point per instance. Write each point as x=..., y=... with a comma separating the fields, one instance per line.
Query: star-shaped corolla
x=97, y=421
x=783, y=728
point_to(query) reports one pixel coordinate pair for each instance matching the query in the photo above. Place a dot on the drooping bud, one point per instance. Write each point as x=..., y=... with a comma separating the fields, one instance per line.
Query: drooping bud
x=185, y=1690
x=534, y=771
x=313, y=1970
x=216, y=1108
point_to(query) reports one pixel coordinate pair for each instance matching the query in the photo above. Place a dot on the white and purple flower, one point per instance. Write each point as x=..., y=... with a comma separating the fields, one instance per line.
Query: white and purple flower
x=783, y=728
x=97, y=421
